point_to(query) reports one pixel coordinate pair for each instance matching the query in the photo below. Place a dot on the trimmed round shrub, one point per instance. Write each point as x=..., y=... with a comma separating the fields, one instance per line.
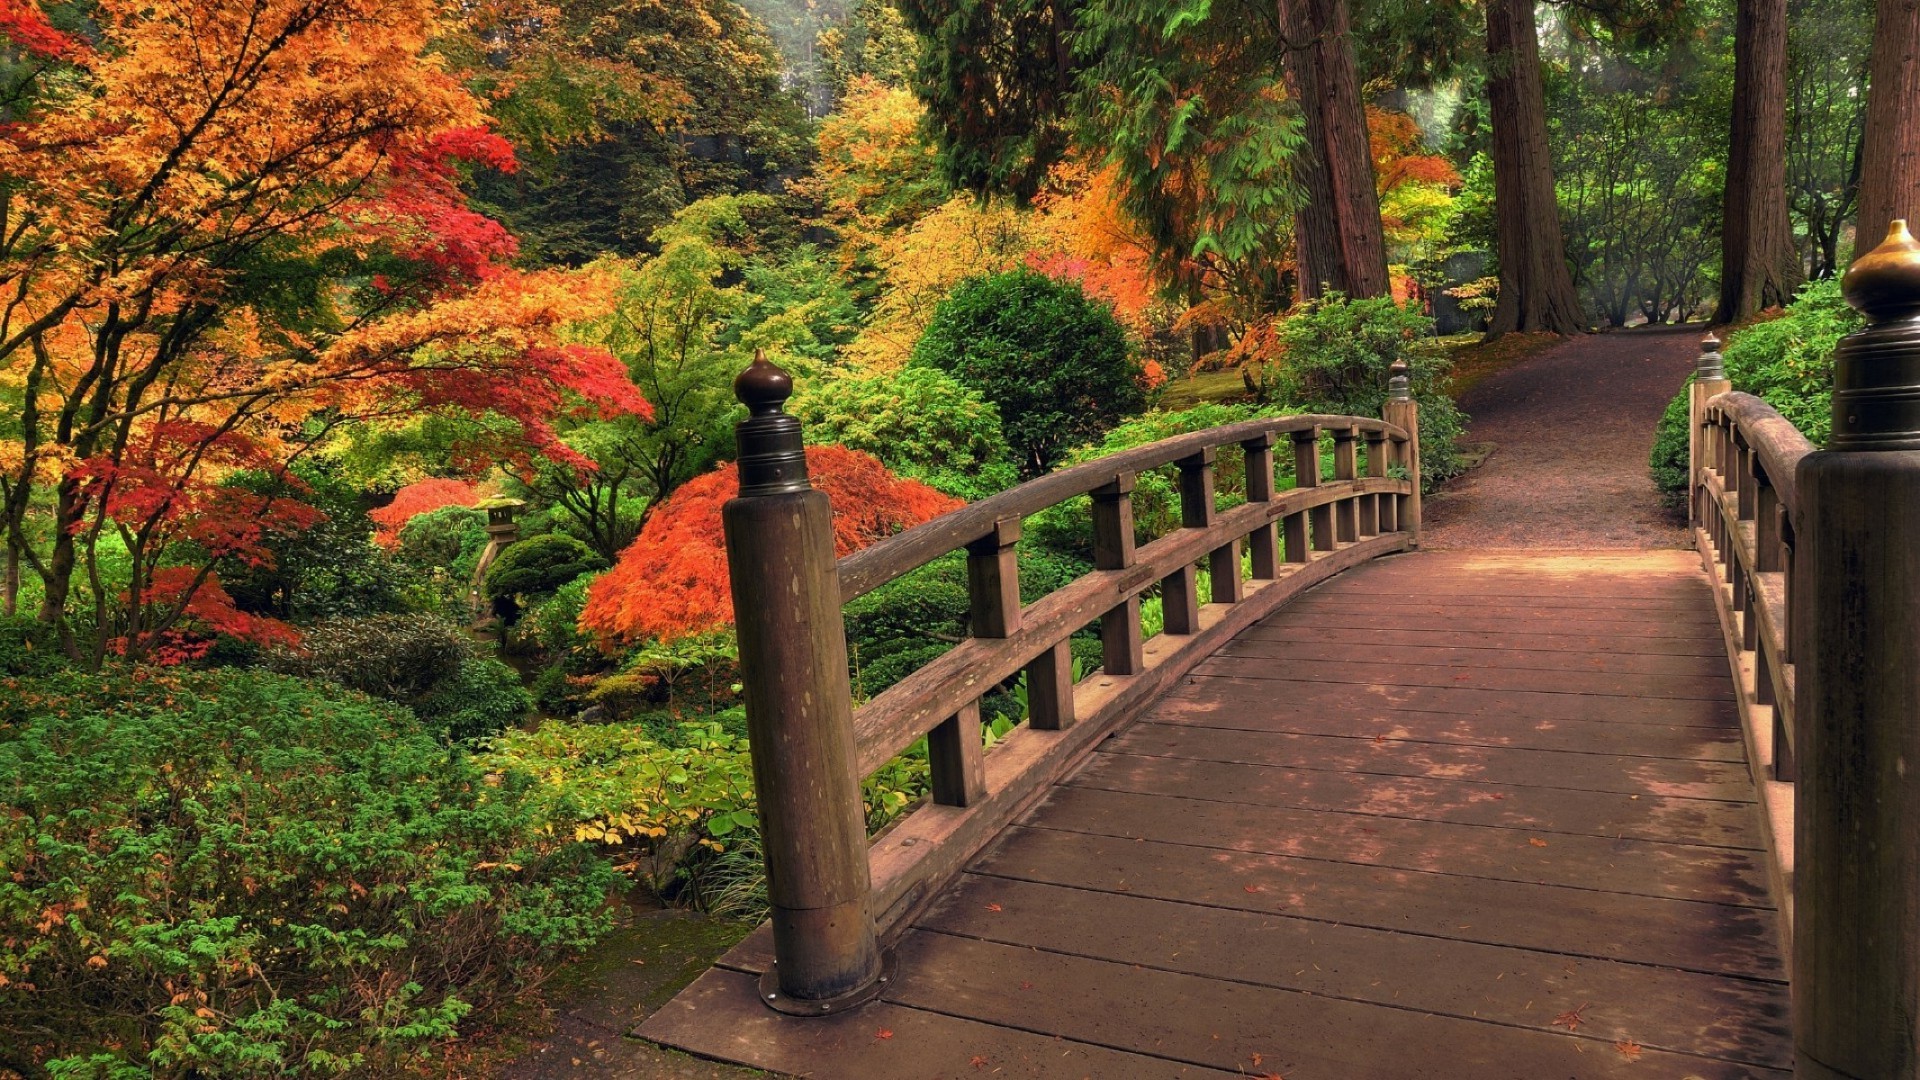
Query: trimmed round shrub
x=241, y=874
x=538, y=566
x=1052, y=360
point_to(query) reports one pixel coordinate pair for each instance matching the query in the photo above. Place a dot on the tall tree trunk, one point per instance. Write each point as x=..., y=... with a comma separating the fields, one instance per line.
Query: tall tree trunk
x=1890, y=164
x=1759, y=266
x=1536, y=288
x=1337, y=233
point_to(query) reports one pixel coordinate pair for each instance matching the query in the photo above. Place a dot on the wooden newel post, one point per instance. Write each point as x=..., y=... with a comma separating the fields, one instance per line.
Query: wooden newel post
x=793, y=674
x=1709, y=381
x=1856, y=947
x=1403, y=412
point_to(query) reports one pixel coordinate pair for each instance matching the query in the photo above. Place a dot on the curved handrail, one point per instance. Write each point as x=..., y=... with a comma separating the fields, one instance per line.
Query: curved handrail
x=1773, y=437
x=874, y=566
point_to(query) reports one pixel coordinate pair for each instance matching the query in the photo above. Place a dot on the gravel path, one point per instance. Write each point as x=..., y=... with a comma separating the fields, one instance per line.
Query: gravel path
x=1571, y=430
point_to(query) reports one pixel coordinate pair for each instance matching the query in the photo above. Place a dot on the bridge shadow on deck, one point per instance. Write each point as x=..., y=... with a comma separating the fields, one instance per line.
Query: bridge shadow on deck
x=1447, y=815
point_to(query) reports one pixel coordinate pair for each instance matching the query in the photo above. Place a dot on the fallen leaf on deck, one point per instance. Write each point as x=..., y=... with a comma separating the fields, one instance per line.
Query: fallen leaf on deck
x=1571, y=1019
x=1536, y=841
x=994, y=907
x=978, y=1061
x=1628, y=1049
x=883, y=1033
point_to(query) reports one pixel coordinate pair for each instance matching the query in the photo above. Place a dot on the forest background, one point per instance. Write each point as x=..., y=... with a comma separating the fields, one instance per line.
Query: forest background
x=310, y=305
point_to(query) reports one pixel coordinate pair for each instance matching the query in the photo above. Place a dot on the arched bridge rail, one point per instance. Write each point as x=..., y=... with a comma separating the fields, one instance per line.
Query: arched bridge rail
x=834, y=896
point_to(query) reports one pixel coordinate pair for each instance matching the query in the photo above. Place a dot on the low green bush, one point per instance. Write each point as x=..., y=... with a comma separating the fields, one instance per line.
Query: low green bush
x=1786, y=362
x=241, y=874
x=425, y=663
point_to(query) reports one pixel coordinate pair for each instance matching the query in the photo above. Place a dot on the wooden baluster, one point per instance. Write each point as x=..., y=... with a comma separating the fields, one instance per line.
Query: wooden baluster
x=1180, y=590
x=955, y=760
x=794, y=684
x=1306, y=474
x=1788, y=647
x=1766, y=521
x=1050, y=689
x=1390, y=504
x=1739, y=465
x=1346, y=512
x=1120, y=646
x=1263, y=549
x=1370, y=512
x=1198, y=511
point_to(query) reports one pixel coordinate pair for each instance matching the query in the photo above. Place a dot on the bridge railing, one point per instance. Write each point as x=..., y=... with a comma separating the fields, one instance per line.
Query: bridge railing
x=1816, y=554
x=834, y=896
x=1746, y=503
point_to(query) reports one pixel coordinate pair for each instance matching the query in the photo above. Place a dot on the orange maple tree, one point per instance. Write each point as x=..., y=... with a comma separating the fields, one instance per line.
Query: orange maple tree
x=231, y=229
x=672, y=582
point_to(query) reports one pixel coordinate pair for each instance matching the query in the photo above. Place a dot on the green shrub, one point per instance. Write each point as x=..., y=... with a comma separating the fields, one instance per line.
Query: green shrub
x=330, y=569
x=536, y=567
x=450, y=538
x=1336, y=356
x=897, y=628
x=240, y=874
x=29, y=647
x=649, y=803
x=425, y=663
x=1786, y=362
x=1054, y=362
x=482, y=698
x=920, y=423
x=553, y=624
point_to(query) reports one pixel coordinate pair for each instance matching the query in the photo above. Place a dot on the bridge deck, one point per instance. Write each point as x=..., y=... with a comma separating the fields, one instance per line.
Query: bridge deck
x=1501, y=829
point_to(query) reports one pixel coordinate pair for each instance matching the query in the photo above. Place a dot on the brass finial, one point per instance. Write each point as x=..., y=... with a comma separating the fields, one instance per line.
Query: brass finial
x=1710, y=365
x=773, y=460
x=1876, y=371
x=1884, y=283
x=1399, y=385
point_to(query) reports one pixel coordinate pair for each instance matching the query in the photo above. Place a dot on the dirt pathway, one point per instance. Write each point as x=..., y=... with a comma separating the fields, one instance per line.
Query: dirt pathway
x=1571, y=430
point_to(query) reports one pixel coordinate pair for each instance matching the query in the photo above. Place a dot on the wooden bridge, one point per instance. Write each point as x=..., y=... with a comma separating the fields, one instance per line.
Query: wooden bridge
x=1362, y=811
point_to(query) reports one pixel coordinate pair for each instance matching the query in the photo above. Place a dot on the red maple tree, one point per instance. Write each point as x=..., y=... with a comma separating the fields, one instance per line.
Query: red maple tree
x=671, y=582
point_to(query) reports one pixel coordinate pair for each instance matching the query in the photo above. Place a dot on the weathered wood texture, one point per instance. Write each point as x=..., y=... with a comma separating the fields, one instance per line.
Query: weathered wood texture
x=1745, y=501
x=1299, y=863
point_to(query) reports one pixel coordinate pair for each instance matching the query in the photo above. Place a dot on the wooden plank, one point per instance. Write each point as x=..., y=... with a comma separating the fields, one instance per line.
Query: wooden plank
x=1604, y=864
x=1719, y=780
x=1574, y=681
x=1555, y=612
x=719, y=1016
x=1572, y=640
x=1599, y=600
x=1488, y=620
x=1246, y=705
x=1701, y=666
x=1473, y=802
x=1346, y=697
x=1737, y=1020
x=1691, y=936
x=1235, y=1026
